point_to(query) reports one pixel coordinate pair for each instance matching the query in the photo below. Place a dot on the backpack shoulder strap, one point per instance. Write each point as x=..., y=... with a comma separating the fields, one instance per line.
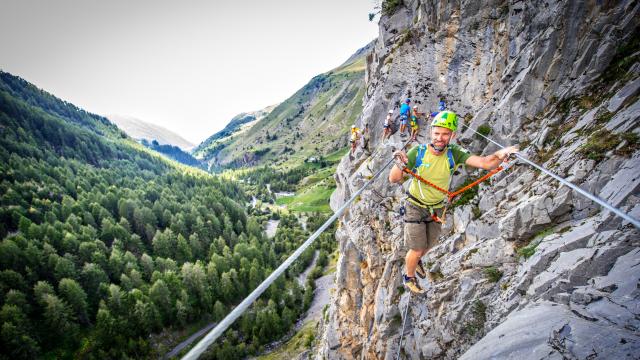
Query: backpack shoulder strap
x=452, y=164
x=421, y=150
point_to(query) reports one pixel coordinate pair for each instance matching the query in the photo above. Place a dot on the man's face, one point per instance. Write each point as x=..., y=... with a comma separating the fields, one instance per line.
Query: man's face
x=440, y=136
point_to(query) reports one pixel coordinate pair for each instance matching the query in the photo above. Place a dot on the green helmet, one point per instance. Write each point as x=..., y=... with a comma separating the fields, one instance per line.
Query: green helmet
x=446, y=119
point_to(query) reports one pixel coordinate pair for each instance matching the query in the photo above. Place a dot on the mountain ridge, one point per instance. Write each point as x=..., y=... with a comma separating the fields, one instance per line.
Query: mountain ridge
x=313, y=122
x=139, y=129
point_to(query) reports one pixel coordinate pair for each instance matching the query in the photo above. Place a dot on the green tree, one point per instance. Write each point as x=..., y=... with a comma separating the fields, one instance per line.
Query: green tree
x=58, y=319
x=164, y=243
x=91, y=278
x=64, y=268
x=15, y=334
x=147, y=265
x=219, y=311
x=183, y=251
x=74, y=295
x=161, y=298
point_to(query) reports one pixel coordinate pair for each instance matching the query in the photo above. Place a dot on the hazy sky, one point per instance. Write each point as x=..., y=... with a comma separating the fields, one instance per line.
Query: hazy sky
x=189, y=66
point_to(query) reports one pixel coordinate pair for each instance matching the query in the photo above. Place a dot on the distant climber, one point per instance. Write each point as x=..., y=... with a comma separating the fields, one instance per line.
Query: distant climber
x=388, y=121
x=355, y=136
x=414, y=123
x=441, y=107
x=436, y=163
x=405, y=112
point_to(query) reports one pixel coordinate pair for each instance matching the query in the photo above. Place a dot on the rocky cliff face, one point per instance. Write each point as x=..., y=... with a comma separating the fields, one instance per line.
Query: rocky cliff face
x=528, y=268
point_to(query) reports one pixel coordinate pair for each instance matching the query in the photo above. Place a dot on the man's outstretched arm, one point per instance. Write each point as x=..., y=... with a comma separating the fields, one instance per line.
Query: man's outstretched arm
x=492, y=161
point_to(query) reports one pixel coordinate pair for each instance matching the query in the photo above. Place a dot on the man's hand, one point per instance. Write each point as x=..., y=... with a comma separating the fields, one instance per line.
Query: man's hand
x=492, y=161
x=401, y=156
x=401, y=159
x=504, y=153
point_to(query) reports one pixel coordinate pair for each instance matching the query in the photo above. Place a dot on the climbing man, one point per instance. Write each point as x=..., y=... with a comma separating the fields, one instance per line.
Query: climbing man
x=405, y=111
x=355, y=136
x=414, y=123
x=387, y=125
x=434, y=162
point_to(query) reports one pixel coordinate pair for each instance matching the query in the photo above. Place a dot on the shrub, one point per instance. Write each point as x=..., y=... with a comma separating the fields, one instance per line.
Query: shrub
x=598, y=144
x=479, y=316
x=484, y=129
x=527, y=251
x=632, y=140
x=476, y=212
x=466, y=196
x=389, y=7
x=493, y=274
x=602, y=141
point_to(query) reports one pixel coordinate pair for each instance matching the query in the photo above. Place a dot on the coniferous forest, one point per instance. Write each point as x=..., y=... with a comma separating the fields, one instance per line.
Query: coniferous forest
x=104, y=242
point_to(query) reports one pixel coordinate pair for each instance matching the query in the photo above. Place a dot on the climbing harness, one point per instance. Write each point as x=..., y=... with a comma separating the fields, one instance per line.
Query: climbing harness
x=449, y=196
x=404, y=321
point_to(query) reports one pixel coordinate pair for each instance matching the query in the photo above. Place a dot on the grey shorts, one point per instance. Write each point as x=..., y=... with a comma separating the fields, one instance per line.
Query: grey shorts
x=420, y=231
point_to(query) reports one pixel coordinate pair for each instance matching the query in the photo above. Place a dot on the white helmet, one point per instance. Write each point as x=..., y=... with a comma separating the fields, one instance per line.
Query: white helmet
x=353, y=126
x=390, y=111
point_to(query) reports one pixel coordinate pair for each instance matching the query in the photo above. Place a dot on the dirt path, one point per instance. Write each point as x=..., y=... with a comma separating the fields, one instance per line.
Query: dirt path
x=272, y=226
x=321, y=297
x=302, y=278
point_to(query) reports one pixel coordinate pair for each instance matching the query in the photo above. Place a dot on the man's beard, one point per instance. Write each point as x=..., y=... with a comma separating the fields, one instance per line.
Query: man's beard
x=438, y=149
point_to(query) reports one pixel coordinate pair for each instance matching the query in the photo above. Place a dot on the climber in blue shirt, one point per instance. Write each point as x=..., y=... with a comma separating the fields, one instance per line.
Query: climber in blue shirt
x=405, y=111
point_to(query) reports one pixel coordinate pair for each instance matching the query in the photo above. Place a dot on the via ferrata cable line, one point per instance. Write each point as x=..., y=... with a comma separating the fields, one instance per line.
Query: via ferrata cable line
x=216, y=332
x=203, y=344
x=404, y=321
x=579, y=190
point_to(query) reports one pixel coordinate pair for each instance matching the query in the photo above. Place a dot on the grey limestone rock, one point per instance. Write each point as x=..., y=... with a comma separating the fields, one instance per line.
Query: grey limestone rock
x=531, y=71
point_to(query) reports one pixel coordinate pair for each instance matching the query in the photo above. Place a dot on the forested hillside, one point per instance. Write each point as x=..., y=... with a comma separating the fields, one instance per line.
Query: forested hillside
x=104, y=243
x=173, y=152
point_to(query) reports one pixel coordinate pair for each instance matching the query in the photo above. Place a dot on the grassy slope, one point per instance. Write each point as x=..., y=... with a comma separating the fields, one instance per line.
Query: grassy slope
x=300, y=342
x=312, y=122
x=315, y=189
x=237, y=125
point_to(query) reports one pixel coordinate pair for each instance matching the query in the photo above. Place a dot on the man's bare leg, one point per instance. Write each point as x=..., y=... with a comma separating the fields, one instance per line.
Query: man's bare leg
x=411, y=261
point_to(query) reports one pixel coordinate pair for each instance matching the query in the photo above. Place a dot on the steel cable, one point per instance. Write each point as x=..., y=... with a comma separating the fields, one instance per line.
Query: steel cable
x=579, y=190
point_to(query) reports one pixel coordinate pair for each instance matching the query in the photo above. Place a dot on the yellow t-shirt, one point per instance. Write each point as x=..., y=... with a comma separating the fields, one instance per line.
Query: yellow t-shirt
x=435, y=169
x=354, y=134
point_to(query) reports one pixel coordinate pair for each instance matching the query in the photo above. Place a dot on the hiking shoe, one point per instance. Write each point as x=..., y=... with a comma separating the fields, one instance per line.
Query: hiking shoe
x=412, y=284
x=420, y=270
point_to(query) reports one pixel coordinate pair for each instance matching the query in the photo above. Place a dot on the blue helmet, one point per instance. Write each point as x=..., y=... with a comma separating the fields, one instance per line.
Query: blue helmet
x=442, y=106
x=407, y=101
